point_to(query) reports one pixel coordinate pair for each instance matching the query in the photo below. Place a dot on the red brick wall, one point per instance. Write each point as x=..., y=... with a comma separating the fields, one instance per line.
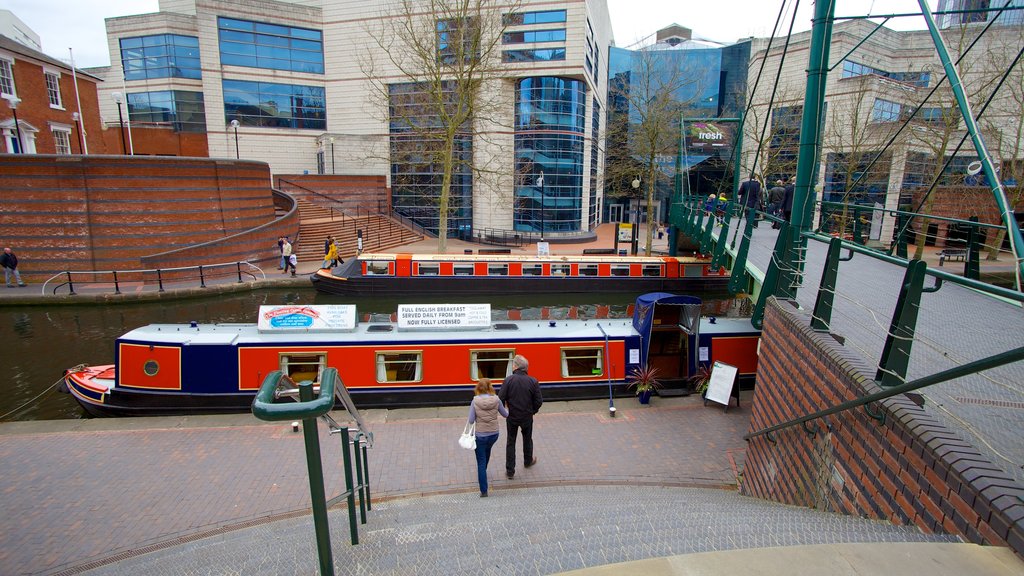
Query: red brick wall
x=148, y=140
x=116, y=212
x=962, y=202
x=908, y=470
x=353, y=193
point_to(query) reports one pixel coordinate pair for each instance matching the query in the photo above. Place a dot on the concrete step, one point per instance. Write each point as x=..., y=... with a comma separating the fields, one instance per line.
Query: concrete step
x=876, y=559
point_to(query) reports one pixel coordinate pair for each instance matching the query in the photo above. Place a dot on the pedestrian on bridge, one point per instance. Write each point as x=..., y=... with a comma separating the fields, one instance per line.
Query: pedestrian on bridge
x=750, y=197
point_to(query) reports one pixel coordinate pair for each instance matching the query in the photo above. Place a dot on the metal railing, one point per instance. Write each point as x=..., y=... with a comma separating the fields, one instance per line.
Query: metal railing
x=151, y=279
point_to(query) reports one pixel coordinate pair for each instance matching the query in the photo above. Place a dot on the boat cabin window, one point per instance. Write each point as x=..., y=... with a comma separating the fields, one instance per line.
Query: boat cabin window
x=580, y=362
x=620, y=269
x=428, y=269
x=652, y=270
x=561, y=269
x=533, y=269
x=588, y=269
x=497, y=269
x=399, y=366
x=377, y=267
x=463, y=269
x=302, y=367
x=494, y=364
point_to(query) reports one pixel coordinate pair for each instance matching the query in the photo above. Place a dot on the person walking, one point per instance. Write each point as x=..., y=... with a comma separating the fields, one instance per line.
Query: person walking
x=286, y=253
x=483, y=411
x=521, y=395
x=293, y=263
x=330, y=253
x=787, y=199
x=750, y=197
x=280, y=251
x=776, y=197
x=9, y=261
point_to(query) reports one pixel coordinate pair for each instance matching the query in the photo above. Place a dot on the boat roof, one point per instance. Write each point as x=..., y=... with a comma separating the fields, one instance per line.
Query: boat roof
x=530, y=258
x=249, y=334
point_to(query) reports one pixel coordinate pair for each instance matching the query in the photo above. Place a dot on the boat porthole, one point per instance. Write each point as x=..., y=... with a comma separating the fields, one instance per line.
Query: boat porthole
x=151, y=367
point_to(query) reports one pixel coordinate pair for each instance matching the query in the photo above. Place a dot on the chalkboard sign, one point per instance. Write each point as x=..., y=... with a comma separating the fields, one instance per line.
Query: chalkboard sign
x=723, y=385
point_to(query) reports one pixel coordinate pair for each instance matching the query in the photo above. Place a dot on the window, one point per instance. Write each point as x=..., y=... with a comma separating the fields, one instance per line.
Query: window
x=6, y=77
x=533, y=269
x=885, y=111
x=261, y=45
x=588, y=270
x=493, y=364
x=303, y=367
x=61, y=140
x=652, y=270
x=918, y=79
x=455, y=38
x=272, y=105
x=541, y=55
x=463, y=269
x=526, y=18
x=399, y=366
x=620, y=270
x=561, y=269
x=378, y=268
x=53, y=89
x=161, y=56
x=581, y=362
x=425, y=269
x=497, y=269
x=184, y=111
x=556, y=35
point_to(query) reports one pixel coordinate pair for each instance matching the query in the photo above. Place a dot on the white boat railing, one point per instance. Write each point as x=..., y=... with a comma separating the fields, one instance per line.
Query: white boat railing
x=153, y=279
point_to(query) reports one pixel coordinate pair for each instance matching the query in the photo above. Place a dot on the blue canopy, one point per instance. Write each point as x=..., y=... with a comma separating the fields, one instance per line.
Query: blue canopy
x=643, y=316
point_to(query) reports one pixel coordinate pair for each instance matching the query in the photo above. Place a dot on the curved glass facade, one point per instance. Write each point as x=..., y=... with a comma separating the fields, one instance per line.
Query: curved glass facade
x=550, y=130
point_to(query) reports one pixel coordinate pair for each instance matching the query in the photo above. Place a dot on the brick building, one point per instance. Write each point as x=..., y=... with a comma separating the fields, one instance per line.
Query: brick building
x=52, y=116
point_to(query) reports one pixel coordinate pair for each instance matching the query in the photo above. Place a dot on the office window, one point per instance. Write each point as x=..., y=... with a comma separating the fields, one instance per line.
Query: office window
x=161, y=56
x=272, y=105
x=6, y=77
x=457, y=37
x=557, y=35
x=885, y=111
x=541, y=55
x=399, y=366
x=580, y=362
x=61, y=141
x=53, y=88
x=182, y=110
x=261, y=45
x=526, y=18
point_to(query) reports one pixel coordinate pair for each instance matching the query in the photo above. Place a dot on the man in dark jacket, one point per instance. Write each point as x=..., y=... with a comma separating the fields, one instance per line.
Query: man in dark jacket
x=9, y=262
x=776, y=196
x=521, y=394
x=787, y=199
x=750, y=198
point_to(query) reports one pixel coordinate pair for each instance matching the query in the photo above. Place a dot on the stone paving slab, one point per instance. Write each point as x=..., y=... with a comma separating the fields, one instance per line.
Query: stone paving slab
x=74, y=496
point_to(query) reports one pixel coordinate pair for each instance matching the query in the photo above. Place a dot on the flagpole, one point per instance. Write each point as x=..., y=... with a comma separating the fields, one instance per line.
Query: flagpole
x=78, y=101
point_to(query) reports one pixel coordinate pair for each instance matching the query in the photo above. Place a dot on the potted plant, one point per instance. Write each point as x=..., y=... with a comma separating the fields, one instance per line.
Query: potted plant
x=644, y=380
x=699, y=381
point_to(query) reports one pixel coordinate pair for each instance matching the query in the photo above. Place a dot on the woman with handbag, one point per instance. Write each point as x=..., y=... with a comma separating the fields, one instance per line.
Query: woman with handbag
x=483, y=412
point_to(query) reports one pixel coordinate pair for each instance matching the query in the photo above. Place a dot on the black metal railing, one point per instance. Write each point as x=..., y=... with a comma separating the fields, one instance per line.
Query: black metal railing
x=151, y=279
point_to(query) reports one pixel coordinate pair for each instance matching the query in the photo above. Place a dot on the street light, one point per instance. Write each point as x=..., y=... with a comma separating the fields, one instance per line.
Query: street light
x=81, y=139
x=636, y=217
x=543, y=204
x=332, y=154
x=120, y=119
x=234, y=124
x=13, y=102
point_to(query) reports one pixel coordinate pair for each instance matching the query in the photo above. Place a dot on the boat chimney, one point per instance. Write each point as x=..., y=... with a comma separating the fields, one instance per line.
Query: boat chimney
x=193, y=324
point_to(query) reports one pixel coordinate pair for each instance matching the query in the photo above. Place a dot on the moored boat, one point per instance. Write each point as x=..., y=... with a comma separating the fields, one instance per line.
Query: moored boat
x=467, y=274
x=432, y=355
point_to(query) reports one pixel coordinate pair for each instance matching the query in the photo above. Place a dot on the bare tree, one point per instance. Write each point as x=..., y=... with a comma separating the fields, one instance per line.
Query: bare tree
x=440, y=80
x=648, y=103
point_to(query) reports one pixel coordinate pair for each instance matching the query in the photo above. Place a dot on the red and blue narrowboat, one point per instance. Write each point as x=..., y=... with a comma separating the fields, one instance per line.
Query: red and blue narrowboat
x=473, y=274
x=432, y=355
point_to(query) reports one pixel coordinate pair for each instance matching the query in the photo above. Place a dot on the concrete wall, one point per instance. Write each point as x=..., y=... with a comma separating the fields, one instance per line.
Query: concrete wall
x=909, y=469
x=112, y=212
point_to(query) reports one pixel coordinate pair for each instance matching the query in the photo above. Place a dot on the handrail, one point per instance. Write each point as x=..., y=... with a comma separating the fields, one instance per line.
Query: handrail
x=1001, y=359
x=869, y=207
x=343, y=212
x=254, y=272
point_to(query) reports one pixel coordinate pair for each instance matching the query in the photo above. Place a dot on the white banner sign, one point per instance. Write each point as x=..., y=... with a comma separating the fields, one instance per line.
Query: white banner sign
x=443, y=316
x=309, y=318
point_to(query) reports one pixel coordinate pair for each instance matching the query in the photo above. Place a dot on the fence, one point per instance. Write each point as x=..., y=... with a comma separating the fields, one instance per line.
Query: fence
x=151, y=280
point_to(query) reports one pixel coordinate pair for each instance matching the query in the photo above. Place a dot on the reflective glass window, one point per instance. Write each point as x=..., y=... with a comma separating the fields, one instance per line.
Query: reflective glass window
x=182, y=110
x=272, y=46
x=557, y=35
x=271, y=105
x=161, y=56
x=539, y=17
x=885, y=111
x=538, y=55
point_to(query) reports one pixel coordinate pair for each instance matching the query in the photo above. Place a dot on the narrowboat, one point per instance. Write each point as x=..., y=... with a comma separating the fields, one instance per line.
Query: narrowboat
x=431, y=355
x=473, y=274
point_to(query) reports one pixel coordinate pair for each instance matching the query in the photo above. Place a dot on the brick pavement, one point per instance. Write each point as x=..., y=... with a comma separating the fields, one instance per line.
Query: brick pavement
x=72, y=496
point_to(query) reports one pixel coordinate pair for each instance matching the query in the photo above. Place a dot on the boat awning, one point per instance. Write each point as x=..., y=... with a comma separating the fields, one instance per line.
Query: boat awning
x=643, y=318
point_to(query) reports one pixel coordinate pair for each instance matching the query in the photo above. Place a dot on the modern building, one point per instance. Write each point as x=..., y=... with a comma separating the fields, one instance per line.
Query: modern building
x=972, y=11
x=12, y=27
x=318, y=87
x=885, y=79
x=707, y=81
x=43, y=109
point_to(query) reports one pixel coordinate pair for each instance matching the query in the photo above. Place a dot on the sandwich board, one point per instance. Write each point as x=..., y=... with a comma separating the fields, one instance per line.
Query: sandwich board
x=724, y=385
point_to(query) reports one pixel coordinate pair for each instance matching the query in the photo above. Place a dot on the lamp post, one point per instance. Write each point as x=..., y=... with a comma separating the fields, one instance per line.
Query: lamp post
x=13, y=102
x=234, y=125
x=543, y=204
x=81, y=139
x=120, y=120
x=332, y=154
x=636, y=217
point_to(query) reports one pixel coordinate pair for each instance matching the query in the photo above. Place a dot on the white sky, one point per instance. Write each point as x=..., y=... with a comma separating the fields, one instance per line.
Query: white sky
x=78, y=24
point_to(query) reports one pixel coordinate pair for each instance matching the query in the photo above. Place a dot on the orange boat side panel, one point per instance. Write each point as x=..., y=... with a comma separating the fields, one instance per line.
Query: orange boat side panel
x=739, y=351
x=443, y=364
x=131, y=369
x=403, y=265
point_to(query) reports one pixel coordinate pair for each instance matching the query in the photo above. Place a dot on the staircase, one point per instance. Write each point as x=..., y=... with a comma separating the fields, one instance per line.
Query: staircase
x=380, y=233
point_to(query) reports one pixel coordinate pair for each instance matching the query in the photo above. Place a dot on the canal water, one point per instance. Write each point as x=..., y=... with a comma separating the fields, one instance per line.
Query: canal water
x=40, y=342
